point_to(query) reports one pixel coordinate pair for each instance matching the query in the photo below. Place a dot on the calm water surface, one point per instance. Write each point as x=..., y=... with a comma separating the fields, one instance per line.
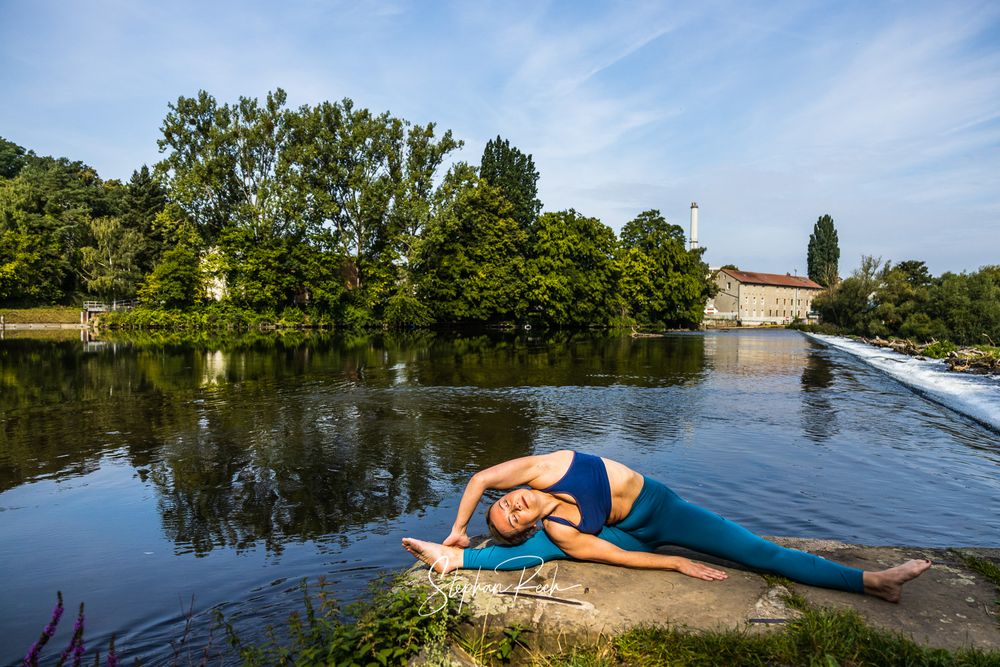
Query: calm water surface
x=135, y=475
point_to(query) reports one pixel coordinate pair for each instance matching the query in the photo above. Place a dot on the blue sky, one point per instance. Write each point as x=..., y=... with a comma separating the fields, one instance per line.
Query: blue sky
x=884, y=115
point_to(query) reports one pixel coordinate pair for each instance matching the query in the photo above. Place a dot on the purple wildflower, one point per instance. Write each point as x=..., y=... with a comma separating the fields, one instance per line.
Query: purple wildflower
x=31, y=659
x=112, y=660
x=75, y=646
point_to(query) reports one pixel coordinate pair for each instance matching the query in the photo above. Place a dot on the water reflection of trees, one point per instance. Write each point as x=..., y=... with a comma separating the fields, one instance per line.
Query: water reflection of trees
x=819, y=412
x=265, y=441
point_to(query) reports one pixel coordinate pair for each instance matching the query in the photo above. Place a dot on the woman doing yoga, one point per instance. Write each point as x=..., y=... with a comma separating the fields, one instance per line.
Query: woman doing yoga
x=599, y=510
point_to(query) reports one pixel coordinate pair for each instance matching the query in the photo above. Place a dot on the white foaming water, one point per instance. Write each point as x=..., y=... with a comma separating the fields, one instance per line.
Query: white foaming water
x=976, y=396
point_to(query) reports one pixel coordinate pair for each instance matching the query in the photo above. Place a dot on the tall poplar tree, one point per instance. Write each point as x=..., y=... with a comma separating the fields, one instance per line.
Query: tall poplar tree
x=823, y=255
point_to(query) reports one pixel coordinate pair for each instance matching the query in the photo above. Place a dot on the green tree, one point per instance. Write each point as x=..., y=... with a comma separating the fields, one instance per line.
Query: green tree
x=660, y=279
x=507, y=168
x=571, y=270
x=851, y=303
x=371, y=177
x=906, y=300
x=45, y=213
x=823, y=255
x=143, y=200
x=228, y=167
x=470, y=266
x=901, y=300
x=110, y=267
x=968, y=305
x=12, y=158
x=354, y=168
x=199, y=163
x=176, y=281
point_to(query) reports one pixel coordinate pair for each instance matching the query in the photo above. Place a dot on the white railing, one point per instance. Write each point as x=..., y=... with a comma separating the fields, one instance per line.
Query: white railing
x=103, y=307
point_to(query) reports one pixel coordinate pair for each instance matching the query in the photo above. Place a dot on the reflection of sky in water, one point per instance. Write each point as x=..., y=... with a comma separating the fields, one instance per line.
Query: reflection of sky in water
x=138, y=475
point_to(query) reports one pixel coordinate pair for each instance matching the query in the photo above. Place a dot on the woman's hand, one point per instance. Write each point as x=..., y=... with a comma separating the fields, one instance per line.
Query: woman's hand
x=699, y=571
x=457, y=539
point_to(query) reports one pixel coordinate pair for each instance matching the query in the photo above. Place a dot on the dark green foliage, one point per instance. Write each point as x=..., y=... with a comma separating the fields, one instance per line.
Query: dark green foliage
x=470, y=267
x=405, y=310
x=143, y=200
x=389, y=629
x=513, y=173
x=175, y=282
x=968, y=305
x=12, y=158
x=660, y=279
x=571, y=270
x=45, y=215
x=330, y=211
x=371, y=176
x=851, y=303
x=905, y=300
x=110, y=265
x=823, y=255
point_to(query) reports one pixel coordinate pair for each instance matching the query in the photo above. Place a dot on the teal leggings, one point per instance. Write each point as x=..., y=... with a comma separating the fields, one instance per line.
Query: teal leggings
x=658, y=517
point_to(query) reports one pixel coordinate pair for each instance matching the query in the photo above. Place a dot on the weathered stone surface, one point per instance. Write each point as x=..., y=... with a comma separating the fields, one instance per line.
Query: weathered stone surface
x=565, y=603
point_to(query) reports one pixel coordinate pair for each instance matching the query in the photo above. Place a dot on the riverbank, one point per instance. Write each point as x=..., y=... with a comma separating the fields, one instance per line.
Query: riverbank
x=981, y=359
x=597, y=614
x=977, y=359
x=48, y=317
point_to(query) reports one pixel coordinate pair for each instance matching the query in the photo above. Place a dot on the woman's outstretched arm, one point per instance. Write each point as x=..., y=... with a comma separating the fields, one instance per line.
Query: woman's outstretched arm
x=506, y=475
x=535, y=550
x=593, y=548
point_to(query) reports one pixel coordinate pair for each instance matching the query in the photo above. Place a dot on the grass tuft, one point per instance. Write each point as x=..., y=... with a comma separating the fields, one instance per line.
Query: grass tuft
x=42, y=315
x=983, y=566
x=820, y=637
x=792, y=599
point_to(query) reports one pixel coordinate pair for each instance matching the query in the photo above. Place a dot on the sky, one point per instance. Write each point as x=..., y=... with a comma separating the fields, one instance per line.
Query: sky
x=884, y=115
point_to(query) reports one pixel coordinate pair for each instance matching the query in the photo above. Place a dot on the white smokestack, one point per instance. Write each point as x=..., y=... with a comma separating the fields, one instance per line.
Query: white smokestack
x=694, y=225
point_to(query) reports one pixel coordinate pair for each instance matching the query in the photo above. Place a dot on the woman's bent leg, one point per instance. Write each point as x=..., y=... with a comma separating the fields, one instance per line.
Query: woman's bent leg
x=666, y=518
x=537, y=549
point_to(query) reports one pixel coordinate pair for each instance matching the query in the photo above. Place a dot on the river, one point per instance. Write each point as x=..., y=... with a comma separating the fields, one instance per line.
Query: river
x=135, y=474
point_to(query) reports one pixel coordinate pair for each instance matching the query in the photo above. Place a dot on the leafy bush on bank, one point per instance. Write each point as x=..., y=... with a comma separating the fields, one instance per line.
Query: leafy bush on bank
x=391, y=627
x=905, y=301
x=213, y=316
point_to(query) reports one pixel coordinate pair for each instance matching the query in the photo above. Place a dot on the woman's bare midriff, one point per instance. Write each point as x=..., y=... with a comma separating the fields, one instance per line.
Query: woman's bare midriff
x=626, y=484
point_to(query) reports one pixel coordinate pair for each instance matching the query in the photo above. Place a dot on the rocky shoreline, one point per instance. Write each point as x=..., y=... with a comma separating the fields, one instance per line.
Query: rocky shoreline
x=961, y=359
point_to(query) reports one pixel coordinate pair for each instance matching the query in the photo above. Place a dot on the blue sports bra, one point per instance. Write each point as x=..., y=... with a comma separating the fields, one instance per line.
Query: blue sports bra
x=587, y=482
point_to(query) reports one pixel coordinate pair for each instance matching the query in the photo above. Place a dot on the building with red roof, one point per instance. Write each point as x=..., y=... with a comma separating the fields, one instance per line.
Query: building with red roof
x=752, y=298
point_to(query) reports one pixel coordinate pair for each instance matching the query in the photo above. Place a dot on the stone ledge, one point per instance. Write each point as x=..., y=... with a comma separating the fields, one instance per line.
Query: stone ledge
x=565, y=603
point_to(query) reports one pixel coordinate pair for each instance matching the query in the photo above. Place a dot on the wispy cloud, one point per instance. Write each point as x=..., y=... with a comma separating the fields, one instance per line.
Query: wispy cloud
x=885, y=116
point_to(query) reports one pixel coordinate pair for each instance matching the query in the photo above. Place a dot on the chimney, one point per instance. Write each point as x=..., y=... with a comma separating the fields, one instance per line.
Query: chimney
x=694, y=225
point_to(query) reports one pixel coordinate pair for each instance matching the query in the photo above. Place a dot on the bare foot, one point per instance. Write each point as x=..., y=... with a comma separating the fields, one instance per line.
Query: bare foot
x=888, y=584
x=442, y=559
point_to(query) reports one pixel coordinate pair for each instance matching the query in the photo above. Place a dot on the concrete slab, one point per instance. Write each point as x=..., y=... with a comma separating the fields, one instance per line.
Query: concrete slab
x=566, y=603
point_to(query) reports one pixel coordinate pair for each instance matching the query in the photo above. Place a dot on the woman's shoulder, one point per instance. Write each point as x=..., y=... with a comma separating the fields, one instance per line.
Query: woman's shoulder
x=551, y=467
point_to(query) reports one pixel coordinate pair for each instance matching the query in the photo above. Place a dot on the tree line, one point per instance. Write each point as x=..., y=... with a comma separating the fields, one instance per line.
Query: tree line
x=904, y=300
x=332, y=210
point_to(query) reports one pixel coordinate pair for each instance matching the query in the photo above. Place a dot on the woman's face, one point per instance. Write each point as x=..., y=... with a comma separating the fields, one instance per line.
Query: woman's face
x=515, y=512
